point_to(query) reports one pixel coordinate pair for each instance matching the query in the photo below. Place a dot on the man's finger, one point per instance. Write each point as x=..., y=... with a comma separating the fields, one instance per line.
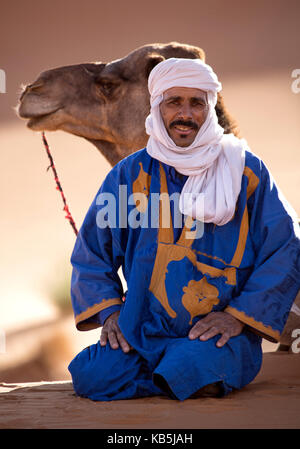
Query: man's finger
x=103, y=338
x=123, y=343
x=212, y=332
x=112, y=337
x=223, y=340
x=199, y=328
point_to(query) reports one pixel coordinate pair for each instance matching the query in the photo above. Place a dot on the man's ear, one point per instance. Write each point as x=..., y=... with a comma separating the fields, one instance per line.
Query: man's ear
x=152, y=60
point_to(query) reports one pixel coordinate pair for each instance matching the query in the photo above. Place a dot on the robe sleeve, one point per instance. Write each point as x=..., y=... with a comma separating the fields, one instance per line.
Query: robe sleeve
x=105, y=313
x=97, y=255
x=269, y=292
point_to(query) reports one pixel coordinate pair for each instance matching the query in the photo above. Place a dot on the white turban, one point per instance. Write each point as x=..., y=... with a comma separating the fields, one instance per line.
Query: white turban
x=188, y=72
x=214, y=161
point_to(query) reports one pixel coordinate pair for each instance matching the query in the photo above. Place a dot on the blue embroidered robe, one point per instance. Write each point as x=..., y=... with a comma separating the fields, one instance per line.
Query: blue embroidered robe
x=248, y=268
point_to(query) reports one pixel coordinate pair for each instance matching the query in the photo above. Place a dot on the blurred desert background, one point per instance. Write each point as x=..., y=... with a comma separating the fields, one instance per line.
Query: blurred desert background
x=254, y=46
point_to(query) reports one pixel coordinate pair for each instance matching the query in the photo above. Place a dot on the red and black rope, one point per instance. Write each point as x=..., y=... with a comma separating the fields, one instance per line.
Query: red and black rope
x=58, y=185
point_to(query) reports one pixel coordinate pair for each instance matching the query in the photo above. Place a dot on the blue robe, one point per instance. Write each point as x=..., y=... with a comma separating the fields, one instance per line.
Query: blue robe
x=248, y=268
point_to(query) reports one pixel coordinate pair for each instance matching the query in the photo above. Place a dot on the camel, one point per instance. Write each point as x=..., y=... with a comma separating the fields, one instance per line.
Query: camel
x=107, y=104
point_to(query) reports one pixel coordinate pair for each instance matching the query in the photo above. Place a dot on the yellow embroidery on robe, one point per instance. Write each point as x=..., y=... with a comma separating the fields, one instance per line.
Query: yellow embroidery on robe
x=168, y=252
x=266, y=331
x=253, y=182
x=199, y=297
x=81, y=324
x=141, y=189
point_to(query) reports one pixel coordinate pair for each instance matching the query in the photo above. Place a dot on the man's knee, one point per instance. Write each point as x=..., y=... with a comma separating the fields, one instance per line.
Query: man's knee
x=102, y=370
x=87, y=368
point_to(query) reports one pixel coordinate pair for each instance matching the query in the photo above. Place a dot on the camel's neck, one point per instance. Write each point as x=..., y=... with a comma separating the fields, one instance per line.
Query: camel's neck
x=112, y=152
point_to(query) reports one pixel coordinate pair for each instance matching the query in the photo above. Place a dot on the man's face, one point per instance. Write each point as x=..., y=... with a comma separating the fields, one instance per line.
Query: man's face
x=183, y=110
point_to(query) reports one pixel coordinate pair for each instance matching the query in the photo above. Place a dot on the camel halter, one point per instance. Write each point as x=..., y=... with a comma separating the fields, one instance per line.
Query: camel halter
x=58, y=185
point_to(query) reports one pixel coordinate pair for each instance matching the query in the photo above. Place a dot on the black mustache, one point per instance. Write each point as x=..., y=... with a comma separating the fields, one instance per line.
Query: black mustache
x=189, y=123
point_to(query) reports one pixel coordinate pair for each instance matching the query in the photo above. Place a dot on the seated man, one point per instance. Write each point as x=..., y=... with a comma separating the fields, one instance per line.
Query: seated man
x=208, y=247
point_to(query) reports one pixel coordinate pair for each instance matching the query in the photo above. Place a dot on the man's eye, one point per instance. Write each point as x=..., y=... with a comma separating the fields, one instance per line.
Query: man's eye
x=199, y=103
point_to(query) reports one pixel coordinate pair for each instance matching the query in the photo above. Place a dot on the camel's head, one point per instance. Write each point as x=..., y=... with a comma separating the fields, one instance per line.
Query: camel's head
x=51, y=101
x=96, y=101
x=104, y=103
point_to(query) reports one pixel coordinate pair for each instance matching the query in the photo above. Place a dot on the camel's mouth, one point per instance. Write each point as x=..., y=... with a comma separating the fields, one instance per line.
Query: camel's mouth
x=38, y=112
x=38, y=122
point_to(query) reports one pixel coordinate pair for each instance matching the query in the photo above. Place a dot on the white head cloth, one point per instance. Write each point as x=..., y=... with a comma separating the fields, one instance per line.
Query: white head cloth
x=214, y=162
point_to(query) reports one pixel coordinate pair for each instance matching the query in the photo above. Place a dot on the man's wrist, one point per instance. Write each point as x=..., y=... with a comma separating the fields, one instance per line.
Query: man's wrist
x=106, y=313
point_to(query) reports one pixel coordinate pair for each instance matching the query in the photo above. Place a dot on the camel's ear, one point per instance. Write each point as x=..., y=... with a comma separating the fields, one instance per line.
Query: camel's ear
x=152, y=60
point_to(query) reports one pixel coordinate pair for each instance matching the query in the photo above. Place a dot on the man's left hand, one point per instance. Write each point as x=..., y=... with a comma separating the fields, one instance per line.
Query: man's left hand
x=216, y=323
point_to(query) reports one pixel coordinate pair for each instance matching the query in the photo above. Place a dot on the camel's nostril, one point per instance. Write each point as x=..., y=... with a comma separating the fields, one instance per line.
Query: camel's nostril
x=30, y=88
x=34, y=86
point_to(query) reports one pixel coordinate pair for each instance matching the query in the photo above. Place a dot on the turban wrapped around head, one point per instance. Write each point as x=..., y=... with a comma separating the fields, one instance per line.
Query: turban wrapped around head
x=214, y=162
x=179, y=72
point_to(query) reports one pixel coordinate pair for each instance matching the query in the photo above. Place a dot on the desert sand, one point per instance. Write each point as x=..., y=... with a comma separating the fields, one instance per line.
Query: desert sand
x=271, y=401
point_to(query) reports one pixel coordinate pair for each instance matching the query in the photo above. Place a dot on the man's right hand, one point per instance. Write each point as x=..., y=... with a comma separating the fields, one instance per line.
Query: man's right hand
x=112, y=333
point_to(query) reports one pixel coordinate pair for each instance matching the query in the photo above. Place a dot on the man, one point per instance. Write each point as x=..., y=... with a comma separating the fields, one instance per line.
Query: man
x=204, y=283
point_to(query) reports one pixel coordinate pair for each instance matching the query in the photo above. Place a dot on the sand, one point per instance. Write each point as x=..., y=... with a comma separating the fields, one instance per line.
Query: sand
x=272, y=400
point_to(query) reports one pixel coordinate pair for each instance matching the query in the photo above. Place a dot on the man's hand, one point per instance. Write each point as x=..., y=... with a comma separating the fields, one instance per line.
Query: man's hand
x=112, y=333
x=216, y=323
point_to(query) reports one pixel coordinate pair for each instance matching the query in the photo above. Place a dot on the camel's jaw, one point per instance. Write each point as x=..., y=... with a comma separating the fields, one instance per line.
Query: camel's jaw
x=41, y=112
x=39, y=121
x=42, y=122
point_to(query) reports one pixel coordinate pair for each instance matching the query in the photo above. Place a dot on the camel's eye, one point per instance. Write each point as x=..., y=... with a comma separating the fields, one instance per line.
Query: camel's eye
x=106, y=86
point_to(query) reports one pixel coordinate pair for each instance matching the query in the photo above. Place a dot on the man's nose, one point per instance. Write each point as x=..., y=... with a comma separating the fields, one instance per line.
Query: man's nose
x=185, y=112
